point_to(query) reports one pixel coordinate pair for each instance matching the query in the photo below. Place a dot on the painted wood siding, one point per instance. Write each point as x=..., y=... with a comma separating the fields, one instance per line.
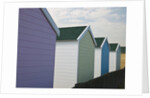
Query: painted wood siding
x=86, y=58
x=97, y=63
x=123, y=58
x=36, y=50
x=105, y=59
x=112, y=61
x=66, y=58
x=118, y=59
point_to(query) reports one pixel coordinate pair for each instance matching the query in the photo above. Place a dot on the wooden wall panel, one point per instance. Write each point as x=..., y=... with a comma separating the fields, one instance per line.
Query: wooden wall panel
x=36, y=50
x=65, y=75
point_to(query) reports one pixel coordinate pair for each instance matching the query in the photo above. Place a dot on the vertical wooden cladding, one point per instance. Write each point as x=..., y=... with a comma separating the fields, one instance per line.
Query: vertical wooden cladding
x=74, y=56
x=118, y=59
x=112, y=61
x=123, y=54
x=36, y=49
x=86, y=58
x=105, y=59
x=65, y=75
x=97, y=63
x=115, y=56
x=101, y=65
x=122, y=60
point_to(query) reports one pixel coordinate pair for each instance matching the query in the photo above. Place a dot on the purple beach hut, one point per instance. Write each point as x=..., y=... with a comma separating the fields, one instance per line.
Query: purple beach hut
x=36, y=48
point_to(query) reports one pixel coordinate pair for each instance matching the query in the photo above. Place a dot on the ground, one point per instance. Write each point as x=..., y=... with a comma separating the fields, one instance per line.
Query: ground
x=111, y=80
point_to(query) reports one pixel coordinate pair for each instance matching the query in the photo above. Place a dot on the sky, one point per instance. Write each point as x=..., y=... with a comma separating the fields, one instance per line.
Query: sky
x=104, y=22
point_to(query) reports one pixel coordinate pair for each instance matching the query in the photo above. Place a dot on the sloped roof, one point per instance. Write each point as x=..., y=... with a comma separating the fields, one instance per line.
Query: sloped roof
x=99, y=41
x=113, y=46
x=70, y=33
x=123, y=49
x=50, y=20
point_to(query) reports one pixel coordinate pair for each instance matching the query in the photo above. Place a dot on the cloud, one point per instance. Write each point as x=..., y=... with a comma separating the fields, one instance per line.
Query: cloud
x=105, y=22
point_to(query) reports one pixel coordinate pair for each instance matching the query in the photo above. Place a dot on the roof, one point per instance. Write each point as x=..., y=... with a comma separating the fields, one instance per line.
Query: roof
x=99, y=41
x=113, y=46
x=50, y=20
x=75, y=33
x=70, y=33
x=123, y=49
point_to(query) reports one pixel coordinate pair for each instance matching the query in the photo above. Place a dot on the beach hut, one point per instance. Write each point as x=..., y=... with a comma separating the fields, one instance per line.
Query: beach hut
x=101, y=65
x=114, y=60
x=74, y=61
x=36, y=48
x=123, y=55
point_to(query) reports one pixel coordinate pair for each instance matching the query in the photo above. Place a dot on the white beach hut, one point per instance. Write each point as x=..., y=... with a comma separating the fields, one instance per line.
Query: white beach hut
x=101, y=64
x=74, y=61
x=114, y=60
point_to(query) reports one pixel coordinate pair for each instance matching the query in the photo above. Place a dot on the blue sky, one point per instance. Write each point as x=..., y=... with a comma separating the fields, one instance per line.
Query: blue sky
x=104, y=22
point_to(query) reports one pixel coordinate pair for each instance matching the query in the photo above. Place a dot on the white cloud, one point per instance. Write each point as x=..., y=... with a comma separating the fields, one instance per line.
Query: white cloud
x=96, y=17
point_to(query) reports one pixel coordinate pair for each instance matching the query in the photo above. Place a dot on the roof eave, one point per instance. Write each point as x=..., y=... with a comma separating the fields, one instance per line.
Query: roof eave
x=103, y=42
x=117, y=47
x=84, y=32
x=50, y=20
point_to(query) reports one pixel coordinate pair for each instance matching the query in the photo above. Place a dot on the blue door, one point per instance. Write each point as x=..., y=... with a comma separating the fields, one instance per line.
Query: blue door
x=105, y=59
